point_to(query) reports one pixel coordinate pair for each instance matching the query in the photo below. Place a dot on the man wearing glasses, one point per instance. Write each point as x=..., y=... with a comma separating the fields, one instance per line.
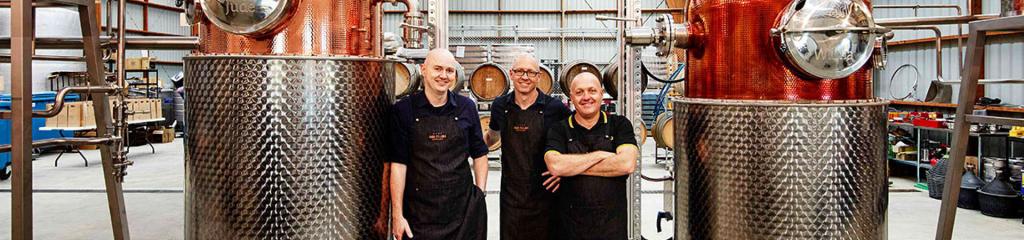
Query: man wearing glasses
x=436, y=133
x=520, y=119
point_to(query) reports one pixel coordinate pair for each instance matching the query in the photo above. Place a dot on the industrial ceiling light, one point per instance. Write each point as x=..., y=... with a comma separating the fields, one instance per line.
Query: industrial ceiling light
x=247, y=17
x=826, y=39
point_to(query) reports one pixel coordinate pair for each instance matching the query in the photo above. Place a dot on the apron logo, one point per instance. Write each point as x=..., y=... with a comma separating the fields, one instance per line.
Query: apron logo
x=436, y=137
x=521, y=128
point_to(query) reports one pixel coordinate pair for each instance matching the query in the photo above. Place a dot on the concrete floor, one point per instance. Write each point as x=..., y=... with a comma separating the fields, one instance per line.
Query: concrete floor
x=70, y=204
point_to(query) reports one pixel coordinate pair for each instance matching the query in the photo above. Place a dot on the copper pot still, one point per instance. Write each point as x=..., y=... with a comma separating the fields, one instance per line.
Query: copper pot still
x=737, y=54
x=299, y=27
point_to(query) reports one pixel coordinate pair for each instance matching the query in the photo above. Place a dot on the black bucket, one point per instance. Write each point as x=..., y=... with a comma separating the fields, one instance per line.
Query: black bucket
x=999, y=199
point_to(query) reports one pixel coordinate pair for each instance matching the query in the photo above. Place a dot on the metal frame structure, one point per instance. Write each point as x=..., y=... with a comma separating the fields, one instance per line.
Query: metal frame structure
x=976, y=42
x=629, y=104
x=22, y=49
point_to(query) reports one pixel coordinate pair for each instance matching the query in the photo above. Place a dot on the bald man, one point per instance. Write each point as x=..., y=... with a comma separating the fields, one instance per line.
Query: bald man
x=520, y=119
x=434, y=195
x=593, y=153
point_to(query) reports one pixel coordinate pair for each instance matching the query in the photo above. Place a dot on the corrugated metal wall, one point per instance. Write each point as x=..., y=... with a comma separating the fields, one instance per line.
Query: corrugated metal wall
x=1004, y=55
x=160, y=21
x=585, y=37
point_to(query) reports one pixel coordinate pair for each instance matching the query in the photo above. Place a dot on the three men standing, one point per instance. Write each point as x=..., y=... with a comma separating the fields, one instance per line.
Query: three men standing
x=585, y=157
x=521, y=119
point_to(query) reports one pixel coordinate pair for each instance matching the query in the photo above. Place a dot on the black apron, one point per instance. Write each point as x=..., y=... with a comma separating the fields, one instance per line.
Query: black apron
x=525, y=204
x=592, y=207
x=441, y=201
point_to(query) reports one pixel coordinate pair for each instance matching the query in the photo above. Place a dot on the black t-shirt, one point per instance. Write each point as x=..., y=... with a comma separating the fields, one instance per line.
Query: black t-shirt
x=620, y=129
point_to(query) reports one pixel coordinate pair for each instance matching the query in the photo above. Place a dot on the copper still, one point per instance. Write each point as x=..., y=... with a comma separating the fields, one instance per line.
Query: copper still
x=272, y=96
x=778, y=135
x=738, y=57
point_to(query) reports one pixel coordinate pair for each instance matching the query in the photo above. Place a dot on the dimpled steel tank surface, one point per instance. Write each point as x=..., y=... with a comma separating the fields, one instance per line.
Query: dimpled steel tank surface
x=284, y=147
x=758, y=170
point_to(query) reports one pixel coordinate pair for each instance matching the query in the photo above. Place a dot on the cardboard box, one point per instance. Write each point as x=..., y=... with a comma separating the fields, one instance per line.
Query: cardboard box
x=88, y=115
x=971, y=162
x=52, y=121
x=132, y=64
x=159, y=110
x=162, y=135
x=74, y=111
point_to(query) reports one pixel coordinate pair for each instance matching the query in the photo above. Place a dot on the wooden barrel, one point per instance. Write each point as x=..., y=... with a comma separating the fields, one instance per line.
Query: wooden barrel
x=407, y=79
x=485, y=123
x=489, y=81
x=460, y=78
x=571, y=69
x=547, y=80
x=610, y=78
x=663, y=130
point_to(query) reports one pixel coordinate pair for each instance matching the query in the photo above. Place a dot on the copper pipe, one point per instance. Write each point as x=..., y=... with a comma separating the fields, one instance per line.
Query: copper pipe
x=120, y=43
x=938, y=45
x=58, y=104
x=65, y=141
x=959, y=31
x=413, y=24
x=131, y=42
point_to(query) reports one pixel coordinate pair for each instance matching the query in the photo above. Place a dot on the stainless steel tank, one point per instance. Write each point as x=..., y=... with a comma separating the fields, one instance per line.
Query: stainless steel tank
x=778, y=135
x=286, y=111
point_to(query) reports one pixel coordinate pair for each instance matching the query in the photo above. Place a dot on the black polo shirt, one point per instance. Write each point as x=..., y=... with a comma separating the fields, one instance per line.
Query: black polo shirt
x=403, y=112
x=554, y=110
x=620, y=129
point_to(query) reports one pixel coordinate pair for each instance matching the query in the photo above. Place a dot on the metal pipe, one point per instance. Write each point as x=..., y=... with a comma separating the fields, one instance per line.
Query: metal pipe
x=989, y=81
x=131, y=42
x=58, y=103
x=120, y=43
x=959, y=27
x=65, y=141
x=892, y=22
x=413, y=24
x=110, y=32
x=916, y=6
x=6, y=58
x=938, y=45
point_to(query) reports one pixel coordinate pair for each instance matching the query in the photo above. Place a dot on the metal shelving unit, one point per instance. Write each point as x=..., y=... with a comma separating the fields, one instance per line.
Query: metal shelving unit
x=918, y=132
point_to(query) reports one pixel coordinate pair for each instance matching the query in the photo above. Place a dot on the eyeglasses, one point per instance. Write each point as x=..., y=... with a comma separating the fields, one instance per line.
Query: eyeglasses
x=520, y=72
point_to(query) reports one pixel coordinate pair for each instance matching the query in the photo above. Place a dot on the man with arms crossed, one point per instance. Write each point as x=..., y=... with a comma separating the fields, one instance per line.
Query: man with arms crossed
x=593, y=153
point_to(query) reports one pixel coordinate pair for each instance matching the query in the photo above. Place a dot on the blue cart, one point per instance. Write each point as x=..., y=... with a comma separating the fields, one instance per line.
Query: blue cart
x=39, y=102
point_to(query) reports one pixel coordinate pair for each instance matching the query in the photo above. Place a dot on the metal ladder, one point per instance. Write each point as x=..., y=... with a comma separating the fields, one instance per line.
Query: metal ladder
x=964, y=116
